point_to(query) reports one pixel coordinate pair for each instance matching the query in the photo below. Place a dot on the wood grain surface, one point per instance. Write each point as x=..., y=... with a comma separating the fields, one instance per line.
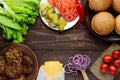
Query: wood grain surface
x=53, y=45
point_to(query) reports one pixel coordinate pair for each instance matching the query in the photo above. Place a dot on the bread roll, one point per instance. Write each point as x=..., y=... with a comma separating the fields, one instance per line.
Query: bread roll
x=99, y=5
x=103, y=23
x=117, y=27
x=116, y=5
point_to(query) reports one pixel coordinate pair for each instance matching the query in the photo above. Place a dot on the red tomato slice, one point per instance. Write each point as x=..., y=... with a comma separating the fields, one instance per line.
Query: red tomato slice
x=67, y=8
x=69, y=15
x=51, y=2
x=57, y=3
x=74, y=1
x=69, y=11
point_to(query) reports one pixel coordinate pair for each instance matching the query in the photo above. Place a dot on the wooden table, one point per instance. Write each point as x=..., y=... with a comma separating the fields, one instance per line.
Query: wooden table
x=53, y=45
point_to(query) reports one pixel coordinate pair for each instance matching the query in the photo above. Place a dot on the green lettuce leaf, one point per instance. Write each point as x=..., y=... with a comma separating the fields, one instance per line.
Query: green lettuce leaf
x=15, y=15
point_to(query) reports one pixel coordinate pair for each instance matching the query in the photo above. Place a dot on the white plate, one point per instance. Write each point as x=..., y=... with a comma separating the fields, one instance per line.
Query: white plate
x=68, y=25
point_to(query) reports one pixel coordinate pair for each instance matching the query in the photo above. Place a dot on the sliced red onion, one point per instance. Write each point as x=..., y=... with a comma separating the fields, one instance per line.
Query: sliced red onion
x=86, y=62
x=70, y=60
x=78, y=59
x=70, y=69
x=78, y=62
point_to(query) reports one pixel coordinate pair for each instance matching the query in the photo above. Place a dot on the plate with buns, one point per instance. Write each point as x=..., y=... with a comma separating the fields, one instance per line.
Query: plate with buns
x=103, y=19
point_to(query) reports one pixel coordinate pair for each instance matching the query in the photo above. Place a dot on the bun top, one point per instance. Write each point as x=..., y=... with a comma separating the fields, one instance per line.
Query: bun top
x=117, y=27
x=99, y=5
x=103, y=23
x=116, y=5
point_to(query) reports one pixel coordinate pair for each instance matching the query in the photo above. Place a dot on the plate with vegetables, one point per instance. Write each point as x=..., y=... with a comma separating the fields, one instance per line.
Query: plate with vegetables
x=58, y=14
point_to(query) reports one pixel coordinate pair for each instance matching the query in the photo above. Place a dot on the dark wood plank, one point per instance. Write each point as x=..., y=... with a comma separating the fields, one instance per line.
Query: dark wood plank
x=53, y=45
x=64, y=55
x=69, y=40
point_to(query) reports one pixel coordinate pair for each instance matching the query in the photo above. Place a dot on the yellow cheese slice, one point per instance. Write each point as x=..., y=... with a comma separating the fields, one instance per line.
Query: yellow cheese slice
x=52, y=68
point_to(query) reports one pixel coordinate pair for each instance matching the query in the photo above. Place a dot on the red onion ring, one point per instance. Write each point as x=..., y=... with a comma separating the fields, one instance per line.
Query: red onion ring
x=78, y=62
x=70, y=69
